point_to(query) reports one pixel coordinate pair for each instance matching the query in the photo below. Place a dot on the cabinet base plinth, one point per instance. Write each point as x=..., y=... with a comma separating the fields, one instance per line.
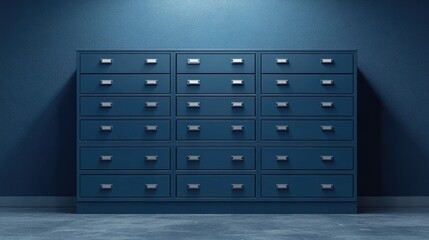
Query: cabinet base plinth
x=217, y=207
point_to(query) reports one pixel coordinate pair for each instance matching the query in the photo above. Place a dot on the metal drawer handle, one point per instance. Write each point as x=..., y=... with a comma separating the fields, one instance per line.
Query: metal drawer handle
x=193, y=127
x=237, y=186
x=237, y=82
x=151, y=186
x=282, y=60
x=193, y=82
x=106, y=104
x=282, y=158
x=282, y=104
x=237, y=127
x=282, y=186
x=327, y=60
x=282, y=82
x=193, y=186
x=327, y=186
x=106, y=61
x=194, y=157
x=151, y=128
x=327, y=82
x=237, y=104
x=106, y=158
x=151, y=61
x=282, y=128
x=327, y=128
x=327, y=158
x=106, y=128
x=193, y=61
x=106, y=82
x=193, y=104
x=151, y=158
x=237, y=60
x=151, y=104
x=327, y=104
x=106, y=186
x=237, y=157
x=150, y=82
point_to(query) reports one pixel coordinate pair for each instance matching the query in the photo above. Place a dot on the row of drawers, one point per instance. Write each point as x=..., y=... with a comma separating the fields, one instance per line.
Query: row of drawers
x=216, y=186
x=216, y=63
x=216, y=130
x=216, y=106
x=216, y=83
x=216, y=158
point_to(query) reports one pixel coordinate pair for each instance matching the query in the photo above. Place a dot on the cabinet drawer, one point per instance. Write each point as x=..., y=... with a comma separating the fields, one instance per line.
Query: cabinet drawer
x=215, y=106
x=125, y=83
x=307, y=63
x=125, y=106
x=275, y=186
x=137, y=130
x=125, y=63
x=215, y=63
x=215, y=186
x=219, y=83
x=215, y=158
x=125, y=158
x=126, y=186
x=307, y=130
x=276, y=158
x=215, y=130
x=307, y=106
x=314, y=83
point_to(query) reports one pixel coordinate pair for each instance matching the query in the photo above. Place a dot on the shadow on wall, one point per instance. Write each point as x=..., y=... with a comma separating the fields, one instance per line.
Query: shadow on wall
x=46, y=153
x=369, y=138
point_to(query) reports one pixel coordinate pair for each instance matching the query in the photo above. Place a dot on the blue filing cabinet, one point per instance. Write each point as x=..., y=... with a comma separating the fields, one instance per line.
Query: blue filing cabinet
x=216, y=131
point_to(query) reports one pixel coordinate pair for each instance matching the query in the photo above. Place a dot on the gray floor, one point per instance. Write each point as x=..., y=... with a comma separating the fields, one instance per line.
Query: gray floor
x=391, y=224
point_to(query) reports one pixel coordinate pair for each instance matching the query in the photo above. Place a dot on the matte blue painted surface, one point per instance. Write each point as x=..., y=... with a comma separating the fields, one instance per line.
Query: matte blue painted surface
x=125, y=106
x=308, y=106
x=307, y=83
x=219, y=83
x=219, y=106
x=125, y=130
x=39, y=39
x=125, y=158
x=215, y=158
x=215, y=63
x=307, y=158
x=125, y=83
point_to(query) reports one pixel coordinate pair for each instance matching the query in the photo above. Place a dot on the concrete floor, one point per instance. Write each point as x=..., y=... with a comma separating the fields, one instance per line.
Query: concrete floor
x=46, y=224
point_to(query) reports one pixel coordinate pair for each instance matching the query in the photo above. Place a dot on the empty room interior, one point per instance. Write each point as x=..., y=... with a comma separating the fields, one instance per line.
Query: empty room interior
x=216, y=119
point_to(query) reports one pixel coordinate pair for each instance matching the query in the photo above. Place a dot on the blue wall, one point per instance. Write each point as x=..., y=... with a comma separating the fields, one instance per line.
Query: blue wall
x=37, y=73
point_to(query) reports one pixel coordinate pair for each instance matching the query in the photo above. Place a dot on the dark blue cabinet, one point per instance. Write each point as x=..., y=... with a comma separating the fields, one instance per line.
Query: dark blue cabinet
x=216, y=131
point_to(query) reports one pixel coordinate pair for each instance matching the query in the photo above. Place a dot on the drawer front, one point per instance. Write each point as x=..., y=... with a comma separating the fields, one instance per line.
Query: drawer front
x=307, y=63
x=126, y=186
x=323, y=186
x=134, y=130
x=215, y=63
x=125, y=83
x=215, y=158
x=315, y=83
x=215, y=106
x=125, y=63
x=125, y=106
x=307, y=106
x=278, y=158
x=194, y=130
x=215, y=186
x=307, y=130
x=219, y=83
x=125, y=158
